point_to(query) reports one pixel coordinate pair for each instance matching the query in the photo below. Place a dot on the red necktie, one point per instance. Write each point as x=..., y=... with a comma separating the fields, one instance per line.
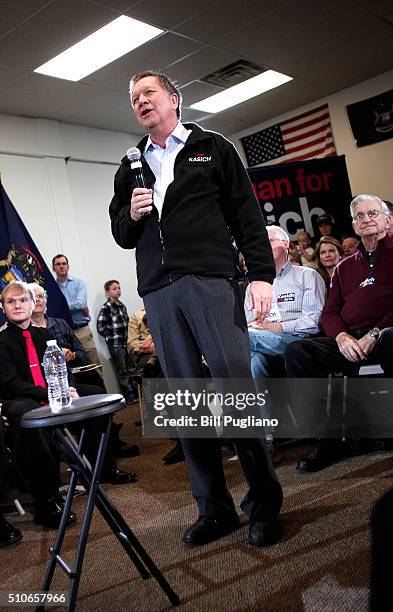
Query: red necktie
x=33, y=360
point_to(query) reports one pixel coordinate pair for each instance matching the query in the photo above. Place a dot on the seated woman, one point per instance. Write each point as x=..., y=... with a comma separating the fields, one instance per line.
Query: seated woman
x=328, y=253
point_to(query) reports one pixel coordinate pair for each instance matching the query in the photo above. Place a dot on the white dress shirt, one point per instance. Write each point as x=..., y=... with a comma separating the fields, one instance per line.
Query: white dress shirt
x=162, y=161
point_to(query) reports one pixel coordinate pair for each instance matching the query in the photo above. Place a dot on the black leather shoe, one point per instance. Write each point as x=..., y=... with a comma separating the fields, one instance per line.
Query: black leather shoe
x=264, y=533
x=207, y=529
x=118, y=477
x=49, y=512
x=175, y=455
x=8, y=533
x=324, y=452
x=125, y=451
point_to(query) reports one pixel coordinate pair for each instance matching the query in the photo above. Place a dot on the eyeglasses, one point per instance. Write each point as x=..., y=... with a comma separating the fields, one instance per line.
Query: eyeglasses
x=40, y=296
x=371, y=214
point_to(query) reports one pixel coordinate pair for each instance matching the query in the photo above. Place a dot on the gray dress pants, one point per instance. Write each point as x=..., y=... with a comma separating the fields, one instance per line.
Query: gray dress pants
x=195, y=316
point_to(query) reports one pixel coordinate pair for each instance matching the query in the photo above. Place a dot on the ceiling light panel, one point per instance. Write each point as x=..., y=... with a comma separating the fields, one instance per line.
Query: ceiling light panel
x=241, y=92
x=99, y=49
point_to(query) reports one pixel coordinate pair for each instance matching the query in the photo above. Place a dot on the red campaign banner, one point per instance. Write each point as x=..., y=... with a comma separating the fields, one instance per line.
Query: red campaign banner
x=293, y=196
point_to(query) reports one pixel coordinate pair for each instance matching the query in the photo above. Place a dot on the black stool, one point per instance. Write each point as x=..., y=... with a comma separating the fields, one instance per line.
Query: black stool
x=83, y=409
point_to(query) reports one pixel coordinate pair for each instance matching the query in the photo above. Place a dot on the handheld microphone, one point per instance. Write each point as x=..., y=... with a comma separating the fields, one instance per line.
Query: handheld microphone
x=134, y=157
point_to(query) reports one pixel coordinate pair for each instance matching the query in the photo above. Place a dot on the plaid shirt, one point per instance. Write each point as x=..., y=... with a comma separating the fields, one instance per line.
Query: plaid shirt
x=112, y=323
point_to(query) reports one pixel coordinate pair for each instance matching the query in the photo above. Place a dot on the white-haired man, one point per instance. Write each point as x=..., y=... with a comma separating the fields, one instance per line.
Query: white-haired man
x=298, y=299
x=357, y=317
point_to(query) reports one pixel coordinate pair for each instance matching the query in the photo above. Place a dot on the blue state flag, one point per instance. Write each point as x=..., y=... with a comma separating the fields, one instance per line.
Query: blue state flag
x=21, y=260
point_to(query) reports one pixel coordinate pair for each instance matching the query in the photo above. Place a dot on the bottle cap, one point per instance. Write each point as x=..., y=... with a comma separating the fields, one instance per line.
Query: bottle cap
x=51, y=343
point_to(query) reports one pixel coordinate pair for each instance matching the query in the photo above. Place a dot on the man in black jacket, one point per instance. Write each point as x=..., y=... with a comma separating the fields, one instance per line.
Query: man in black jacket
x=198, y=195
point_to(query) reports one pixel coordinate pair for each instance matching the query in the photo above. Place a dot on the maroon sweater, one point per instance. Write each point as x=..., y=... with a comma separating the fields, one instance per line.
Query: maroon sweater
x=361, y=297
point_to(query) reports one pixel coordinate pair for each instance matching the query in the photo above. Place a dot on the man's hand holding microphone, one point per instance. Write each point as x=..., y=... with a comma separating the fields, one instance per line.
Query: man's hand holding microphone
x=141, y=198
x=141, y=203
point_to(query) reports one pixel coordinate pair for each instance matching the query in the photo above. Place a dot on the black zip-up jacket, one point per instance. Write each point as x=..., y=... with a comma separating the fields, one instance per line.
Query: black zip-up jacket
x=15, y=372
x=210, y=197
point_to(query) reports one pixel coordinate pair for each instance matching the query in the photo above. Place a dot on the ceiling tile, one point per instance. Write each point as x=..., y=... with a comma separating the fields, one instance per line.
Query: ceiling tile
x=354, y=67
x=197, y=91
x=51, y=31
x=163, y=51
x=382, y=8
x=200, y=64
x=276, y=27
x=229, y=15
x=117, y=5
x=13, y=13
x=167, y=14
x=69, y=102
x=8, y=76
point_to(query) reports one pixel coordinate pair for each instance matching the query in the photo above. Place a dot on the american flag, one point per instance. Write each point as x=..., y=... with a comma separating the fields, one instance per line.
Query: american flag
x=305, y=136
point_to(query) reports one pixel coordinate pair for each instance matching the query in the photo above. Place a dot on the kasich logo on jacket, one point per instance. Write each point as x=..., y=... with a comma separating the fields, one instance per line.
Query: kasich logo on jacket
x=200, y=157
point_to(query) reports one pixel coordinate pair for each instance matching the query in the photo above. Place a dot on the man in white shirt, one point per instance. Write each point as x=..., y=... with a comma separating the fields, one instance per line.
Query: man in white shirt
x=298, y=298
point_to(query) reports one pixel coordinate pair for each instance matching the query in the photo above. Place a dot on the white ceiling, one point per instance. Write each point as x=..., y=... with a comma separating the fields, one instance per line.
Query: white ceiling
x=325, y=45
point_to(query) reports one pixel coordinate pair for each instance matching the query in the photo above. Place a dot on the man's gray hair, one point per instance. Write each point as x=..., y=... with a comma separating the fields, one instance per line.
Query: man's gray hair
x=364, y=197
x=23, y=288
x=278, y=230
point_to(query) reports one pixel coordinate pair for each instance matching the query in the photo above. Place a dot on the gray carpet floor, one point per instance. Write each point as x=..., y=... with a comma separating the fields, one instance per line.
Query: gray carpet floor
x=322, y=563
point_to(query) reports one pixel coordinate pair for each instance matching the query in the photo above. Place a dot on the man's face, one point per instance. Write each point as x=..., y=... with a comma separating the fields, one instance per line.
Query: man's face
x=40, y=301
x=18, y=306
x=350, y=246
x=153, y=105
x=61, y=267
x=367, y=227
x=114, y=292
x=279, y=246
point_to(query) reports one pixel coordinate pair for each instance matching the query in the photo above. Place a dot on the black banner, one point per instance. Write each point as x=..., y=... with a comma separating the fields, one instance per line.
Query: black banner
x=372, y=119
x=294, y=195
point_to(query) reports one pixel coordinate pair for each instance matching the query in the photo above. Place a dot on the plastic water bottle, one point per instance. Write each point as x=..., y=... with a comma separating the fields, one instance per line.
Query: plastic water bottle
x=56, y=375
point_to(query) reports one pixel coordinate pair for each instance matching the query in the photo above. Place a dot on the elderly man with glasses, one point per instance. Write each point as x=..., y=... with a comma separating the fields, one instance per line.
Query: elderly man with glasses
x=357, y=317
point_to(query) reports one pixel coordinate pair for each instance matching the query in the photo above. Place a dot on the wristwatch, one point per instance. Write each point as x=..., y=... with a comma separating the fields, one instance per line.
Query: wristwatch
x=374, y=332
